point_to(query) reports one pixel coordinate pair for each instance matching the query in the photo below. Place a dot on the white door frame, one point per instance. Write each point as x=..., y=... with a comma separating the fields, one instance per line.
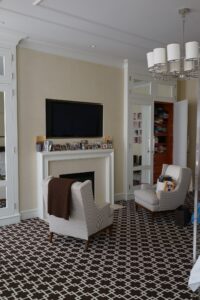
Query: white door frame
x=149, y=99
x=10, y=214
x=128, y=170
x=140, y=100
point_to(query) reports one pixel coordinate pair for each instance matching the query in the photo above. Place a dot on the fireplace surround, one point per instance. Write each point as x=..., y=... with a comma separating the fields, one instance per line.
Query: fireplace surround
x=82, y=176
x=54, y=163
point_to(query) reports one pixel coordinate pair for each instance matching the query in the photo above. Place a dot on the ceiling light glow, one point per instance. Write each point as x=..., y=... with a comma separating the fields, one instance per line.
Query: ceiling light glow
x=92, y=46
x=37, y=2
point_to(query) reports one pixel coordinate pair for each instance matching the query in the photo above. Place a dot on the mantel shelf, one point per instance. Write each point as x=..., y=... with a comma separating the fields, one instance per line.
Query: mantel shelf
x=75, y=152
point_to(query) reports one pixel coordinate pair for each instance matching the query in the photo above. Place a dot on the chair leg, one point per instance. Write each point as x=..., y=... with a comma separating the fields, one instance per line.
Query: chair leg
x=87, y=245
x=136, y=207
x=50, y=237
x=153, y=215
x=110, y=229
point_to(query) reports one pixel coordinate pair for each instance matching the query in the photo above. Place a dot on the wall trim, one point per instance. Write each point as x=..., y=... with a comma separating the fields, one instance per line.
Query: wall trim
x=124, y=196
x=34, y=213
x=8, y=220
x=68, y=52
x=119, y=196
x=130, y=196
x=29, y=214
x=10, y=38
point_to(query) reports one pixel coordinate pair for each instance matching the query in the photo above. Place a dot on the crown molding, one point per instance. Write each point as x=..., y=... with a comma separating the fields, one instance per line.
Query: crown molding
x=68, y=52
x=10, y=38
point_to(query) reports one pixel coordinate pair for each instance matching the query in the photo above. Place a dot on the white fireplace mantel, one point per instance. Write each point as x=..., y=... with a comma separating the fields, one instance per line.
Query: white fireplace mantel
x=44, y=159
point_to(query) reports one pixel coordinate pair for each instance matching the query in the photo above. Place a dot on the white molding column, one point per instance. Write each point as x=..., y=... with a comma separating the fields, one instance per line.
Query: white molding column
x=8, y=85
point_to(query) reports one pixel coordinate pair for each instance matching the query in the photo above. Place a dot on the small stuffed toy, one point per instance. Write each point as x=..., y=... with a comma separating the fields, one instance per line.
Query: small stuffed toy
x=169, y=186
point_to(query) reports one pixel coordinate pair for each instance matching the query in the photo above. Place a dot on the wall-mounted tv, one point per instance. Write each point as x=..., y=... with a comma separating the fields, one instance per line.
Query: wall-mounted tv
x=73, y=119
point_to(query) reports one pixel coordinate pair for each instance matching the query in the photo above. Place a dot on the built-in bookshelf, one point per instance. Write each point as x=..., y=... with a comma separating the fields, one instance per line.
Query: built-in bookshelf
x=137, y=127
x=137, y=139
x=163, y=134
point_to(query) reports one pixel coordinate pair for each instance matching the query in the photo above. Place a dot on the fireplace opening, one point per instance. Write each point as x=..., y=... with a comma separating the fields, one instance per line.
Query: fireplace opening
x=81, y=177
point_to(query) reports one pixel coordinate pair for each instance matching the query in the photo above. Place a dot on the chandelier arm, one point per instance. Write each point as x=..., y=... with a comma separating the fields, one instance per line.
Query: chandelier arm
x=183, y=60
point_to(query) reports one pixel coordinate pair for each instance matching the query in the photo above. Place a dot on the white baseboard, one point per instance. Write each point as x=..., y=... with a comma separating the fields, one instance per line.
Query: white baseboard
x=30, y=213
x=10, y=220
x=130, y=196
x=123, y=196
x=34, y=213
x=120, y=196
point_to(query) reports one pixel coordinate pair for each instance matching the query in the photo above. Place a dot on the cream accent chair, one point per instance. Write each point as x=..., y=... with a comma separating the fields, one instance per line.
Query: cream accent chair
x=163, y=201
x=86, y=217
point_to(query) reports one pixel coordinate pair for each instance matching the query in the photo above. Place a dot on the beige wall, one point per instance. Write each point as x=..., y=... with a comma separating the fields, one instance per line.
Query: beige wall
x=188, y=90
x=42, y=76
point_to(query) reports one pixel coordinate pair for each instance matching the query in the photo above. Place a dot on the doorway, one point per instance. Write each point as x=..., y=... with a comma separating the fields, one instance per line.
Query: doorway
x=141, y=137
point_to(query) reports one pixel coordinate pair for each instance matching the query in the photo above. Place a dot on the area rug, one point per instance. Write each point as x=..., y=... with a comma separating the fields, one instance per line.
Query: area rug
x=143, y=259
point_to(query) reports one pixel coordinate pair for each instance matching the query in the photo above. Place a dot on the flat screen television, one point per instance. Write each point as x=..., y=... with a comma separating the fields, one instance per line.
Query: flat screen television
x=73, y=119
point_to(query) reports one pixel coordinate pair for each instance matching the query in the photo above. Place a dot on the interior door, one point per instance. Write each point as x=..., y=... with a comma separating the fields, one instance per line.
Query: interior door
x=180, y=133
x=142, y=144
x=9, y=209
x=3, y=188
x=3, y=161
x=6, y=153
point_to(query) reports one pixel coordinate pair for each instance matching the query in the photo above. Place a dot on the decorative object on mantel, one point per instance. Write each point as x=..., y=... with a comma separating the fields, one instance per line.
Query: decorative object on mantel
x=40, y=142
x=107, y=142
x=84, y=144
x=45, y=145
x=182, y=61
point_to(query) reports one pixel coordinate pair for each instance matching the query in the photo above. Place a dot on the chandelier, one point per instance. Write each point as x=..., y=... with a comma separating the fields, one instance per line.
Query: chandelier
x=178, y=61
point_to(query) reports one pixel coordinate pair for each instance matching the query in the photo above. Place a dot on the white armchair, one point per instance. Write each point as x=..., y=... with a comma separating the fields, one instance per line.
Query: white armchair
x=148, y=198
x=86, y=217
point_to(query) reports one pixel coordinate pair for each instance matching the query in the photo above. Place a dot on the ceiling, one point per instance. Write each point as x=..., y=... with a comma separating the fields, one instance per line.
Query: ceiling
x=119, y=29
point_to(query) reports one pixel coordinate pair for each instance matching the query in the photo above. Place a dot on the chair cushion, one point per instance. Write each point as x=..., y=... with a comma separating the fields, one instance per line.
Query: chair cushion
x=173, y=171
x=148, y=196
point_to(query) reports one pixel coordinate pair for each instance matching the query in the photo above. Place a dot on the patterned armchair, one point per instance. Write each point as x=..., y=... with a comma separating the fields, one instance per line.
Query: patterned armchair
x=148, y=198
x=86, y=217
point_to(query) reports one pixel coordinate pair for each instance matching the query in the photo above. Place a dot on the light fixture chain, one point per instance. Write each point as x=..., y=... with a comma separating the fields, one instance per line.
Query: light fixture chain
x=183, y=34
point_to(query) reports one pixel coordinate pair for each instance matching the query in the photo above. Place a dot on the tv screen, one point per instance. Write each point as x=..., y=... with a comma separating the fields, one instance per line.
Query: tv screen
x=72, y=119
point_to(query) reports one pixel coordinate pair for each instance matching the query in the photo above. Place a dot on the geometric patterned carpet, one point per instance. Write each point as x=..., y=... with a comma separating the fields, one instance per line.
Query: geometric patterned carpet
x=143, y=259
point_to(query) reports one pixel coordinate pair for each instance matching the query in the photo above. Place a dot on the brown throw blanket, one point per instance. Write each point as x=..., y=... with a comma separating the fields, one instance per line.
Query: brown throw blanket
x=59, y=197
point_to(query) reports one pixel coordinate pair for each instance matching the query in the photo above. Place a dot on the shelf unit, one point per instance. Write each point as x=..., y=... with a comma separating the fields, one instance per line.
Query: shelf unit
x=137, y=139
x=163, y=136
x=137, y=126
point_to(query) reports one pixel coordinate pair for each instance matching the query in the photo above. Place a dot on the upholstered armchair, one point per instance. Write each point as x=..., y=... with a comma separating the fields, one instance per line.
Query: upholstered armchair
x=86, y=217
x=148, y=198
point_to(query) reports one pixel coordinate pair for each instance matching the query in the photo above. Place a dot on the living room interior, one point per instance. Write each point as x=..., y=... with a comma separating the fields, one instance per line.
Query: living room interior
x=93, y=55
